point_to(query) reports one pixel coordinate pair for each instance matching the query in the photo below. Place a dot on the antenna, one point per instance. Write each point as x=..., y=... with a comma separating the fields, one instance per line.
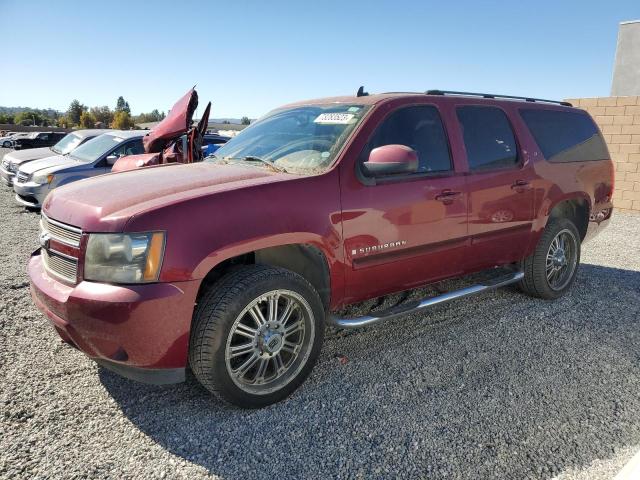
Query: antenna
x=361, y=92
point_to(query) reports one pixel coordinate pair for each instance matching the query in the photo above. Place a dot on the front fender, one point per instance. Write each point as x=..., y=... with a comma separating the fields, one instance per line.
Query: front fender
x=251, y=245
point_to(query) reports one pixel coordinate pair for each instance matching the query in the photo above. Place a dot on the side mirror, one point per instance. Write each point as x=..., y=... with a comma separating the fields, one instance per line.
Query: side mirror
x=390, y=160
x=111, y=159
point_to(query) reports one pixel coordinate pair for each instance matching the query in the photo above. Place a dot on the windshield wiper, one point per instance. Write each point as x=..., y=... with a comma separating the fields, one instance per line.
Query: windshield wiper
x=253, y=158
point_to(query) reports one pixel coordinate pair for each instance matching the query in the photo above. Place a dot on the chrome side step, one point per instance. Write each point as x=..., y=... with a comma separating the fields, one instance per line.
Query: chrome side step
x=417, y=306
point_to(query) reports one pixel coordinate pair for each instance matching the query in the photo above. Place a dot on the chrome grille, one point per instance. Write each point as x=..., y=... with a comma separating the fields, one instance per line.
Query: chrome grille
x=61, y=232
x=56, y=263
x=60, y=265
x=22, y=177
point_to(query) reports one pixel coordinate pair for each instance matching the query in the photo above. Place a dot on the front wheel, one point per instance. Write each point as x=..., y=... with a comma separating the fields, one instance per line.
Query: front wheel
x=551, y=270
x=256, y=335
x=6, y=144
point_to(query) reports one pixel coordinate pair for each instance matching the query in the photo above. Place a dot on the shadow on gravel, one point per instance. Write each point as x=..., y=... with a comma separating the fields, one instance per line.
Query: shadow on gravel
x=499, y=386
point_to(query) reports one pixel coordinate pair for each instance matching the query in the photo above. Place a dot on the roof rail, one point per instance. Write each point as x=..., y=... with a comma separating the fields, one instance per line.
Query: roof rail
x=491, y=95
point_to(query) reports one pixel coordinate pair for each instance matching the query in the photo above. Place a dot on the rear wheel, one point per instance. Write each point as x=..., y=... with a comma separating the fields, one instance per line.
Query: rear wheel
x=256, y=335
x=551, y=270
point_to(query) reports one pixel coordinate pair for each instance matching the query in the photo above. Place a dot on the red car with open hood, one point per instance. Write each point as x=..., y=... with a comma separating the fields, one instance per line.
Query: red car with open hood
x=173, y=140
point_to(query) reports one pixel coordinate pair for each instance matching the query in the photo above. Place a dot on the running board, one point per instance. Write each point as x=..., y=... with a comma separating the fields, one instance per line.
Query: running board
x=417, y=306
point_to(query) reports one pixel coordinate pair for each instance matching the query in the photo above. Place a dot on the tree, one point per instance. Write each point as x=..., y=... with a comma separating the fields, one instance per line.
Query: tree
x=87, y=120
x=245, y=121
x=62, y=121
x=74, y=112
x=122, y=121
x=154, y=116
x=6, y=118
x=29, y=117
x=122, y=105
x=102, y=114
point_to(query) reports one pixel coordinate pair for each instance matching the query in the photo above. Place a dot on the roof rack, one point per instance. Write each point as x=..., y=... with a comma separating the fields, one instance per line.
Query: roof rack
x=491, y=95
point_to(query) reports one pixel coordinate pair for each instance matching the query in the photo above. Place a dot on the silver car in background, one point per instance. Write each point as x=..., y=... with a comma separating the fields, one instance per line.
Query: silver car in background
x=14, y=160
x=36, y=179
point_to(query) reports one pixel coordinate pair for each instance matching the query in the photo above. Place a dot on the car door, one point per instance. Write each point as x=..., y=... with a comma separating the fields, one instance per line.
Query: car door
x=499, y=187
x=408, y=230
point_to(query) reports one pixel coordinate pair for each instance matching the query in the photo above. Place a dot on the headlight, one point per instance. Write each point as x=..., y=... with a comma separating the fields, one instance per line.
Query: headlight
x=42, y=178
x=124, y=258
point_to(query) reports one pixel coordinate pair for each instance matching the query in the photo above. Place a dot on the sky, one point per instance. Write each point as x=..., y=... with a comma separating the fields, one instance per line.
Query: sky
x=249, y=57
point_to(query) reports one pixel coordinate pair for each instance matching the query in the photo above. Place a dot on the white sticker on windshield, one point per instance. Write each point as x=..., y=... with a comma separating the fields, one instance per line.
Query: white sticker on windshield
x=334, y=118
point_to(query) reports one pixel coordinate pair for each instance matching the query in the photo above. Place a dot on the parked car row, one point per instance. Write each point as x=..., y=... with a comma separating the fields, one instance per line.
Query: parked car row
x=232, y=267
x=24, y=140
x=36, y=179
x=14, y=160
x=34, y=172
x=38, y=140
x=7, y=140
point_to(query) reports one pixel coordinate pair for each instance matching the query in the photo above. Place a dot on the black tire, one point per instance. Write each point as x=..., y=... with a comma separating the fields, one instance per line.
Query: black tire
x=535, y=281
x=6, y=144
x=217, y=315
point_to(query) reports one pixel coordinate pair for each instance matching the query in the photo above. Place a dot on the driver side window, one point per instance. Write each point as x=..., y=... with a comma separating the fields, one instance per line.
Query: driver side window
x=134, y=147
x=420, y=128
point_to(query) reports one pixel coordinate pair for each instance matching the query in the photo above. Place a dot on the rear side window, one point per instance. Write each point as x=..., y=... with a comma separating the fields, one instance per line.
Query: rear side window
x=488, y=138
x=565, y=136
x=420, y=128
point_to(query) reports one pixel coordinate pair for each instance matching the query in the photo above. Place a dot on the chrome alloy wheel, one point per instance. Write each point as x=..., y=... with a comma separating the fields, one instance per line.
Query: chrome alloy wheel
x=270, y=342
x=561, y=259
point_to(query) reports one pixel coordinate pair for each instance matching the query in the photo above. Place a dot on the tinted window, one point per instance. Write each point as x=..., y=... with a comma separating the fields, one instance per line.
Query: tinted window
x=420, y=128
x=488, y=137
x=565, y=136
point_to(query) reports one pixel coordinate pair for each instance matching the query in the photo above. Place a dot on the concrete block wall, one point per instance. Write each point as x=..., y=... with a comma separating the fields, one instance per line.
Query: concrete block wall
x=619, y=120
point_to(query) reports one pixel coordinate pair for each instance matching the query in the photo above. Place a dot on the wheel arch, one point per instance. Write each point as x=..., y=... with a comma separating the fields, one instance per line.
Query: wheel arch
x=305, y=259
x=576, y=208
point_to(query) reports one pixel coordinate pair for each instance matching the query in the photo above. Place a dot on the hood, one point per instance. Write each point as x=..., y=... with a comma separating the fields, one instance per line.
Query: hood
x=106, y=202
x=176, y=123
x=18, y=157
x=49, y=164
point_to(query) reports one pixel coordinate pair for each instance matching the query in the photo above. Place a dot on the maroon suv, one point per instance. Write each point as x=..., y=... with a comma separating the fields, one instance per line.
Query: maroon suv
x=233, y=266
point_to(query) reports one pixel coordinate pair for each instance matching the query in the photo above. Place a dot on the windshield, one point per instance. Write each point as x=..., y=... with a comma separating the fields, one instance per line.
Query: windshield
x=301, y=140
x=67, y=144
x=95, y=148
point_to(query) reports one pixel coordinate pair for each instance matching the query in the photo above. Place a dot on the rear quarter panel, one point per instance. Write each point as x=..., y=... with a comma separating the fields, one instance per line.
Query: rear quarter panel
x=591, y=181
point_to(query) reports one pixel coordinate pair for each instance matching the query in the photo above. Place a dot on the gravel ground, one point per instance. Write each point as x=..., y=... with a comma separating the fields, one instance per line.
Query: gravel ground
x=498, y=386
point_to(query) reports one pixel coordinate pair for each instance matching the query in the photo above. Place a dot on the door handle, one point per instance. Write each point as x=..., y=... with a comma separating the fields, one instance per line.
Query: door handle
x=521, y=186
x=447, y=196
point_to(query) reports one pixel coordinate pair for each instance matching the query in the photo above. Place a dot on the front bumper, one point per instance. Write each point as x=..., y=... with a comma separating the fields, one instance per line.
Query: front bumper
x=7, y=176
x=30, y=194
x=138, y=331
